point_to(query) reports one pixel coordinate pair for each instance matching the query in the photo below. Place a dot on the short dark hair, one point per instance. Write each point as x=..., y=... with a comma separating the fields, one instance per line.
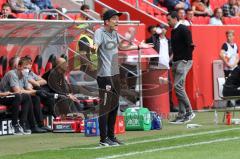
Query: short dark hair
x=179, y=9
x=150, y=28
x=6, y=5
x=28, y=58
x=173, y=15
x=23, y=61
x=84, y=6
x=189, y=10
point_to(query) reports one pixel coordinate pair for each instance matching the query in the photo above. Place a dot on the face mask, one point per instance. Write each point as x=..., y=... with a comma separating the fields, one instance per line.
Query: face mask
x=158, y=30
x=25, y=72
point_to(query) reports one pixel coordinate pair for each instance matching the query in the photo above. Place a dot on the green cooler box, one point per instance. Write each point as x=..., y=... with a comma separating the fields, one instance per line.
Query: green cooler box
x=137, y=119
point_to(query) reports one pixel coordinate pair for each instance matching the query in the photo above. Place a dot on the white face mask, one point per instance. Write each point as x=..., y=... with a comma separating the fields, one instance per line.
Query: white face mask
x=158, y=30
x=25, y=72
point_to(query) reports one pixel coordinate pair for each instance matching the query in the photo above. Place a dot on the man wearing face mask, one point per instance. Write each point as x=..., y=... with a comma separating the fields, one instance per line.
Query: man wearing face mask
x=15, y=81
x=106, y=45
x=163, y=47
x=38, y=83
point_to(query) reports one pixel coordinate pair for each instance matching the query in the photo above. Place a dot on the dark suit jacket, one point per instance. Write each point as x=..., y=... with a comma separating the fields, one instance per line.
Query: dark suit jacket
x=154, y=39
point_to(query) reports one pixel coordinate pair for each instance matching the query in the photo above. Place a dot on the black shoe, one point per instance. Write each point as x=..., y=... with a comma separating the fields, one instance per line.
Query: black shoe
x=107, y=142
x=17, y=130
x=26, y=131
x=230, y=104
x=178, y=120
x=36, y=129
x=189, y=116
x=117, y=141
x=46, y=128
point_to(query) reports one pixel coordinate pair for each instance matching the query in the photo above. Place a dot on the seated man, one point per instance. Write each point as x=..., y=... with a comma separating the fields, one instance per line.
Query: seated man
x=13, y=103
x=172, y=5
x=16, y=81
x=57, y=83
x=43, y=4
x=38, y=83
x=31, y=6
x=13, y=62
x=232, y=84
x=18, y=6
x=6, y=12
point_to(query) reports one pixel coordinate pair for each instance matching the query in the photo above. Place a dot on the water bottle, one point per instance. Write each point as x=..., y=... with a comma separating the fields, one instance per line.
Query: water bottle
x=215, y=117
x=228, y=118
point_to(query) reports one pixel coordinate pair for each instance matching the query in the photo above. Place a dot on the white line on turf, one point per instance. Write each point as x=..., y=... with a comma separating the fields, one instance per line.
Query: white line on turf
x=166, y=138
x=170, y=148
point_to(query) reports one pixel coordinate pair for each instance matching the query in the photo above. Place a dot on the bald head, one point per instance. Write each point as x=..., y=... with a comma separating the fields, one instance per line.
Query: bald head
x=60, y=61
x=61, y=65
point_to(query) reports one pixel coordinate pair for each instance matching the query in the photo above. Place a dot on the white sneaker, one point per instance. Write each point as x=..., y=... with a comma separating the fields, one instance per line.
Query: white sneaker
x=178, y=120
x=189, y=117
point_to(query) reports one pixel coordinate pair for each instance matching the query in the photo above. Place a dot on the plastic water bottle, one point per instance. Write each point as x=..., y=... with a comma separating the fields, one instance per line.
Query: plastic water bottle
x=215, y=117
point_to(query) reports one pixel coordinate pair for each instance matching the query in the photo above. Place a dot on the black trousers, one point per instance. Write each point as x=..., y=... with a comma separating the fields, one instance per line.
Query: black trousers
x=109, y=91
x=37, y=110
x=27, y=115
x=230, y=91
x=13, y=103
x=48, y=108
x=63, y=106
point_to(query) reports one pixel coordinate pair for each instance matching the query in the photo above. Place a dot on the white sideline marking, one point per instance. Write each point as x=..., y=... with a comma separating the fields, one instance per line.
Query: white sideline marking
x=170, y=148
x=165, y=138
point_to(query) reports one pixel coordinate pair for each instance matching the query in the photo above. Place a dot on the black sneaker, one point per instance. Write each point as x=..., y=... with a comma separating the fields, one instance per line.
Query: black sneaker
x=117, y=141
x=230, y=104
x=107, y=142
x=46, y=128
x=26, y=131
x=36, y=129
x=189, y=116
x=17, y=130
x=178, y=120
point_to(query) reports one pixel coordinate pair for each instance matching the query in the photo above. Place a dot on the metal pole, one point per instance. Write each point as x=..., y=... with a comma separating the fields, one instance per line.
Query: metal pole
x=82, y=12
x=140, y=78
x=54, y=11
x=137, y=4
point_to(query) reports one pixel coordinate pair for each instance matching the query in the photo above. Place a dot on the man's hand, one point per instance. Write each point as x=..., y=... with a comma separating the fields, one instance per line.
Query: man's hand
x=143, y=45
x=72, y=97
x=6, y=93
x=93, y=48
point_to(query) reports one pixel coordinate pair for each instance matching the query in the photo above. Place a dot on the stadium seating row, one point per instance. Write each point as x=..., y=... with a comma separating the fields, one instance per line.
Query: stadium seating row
x=36, y=68
x=196, y=20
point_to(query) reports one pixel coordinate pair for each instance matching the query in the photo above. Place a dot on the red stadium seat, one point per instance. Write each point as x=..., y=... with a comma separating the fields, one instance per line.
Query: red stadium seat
x=72, y=15
x=3, y=108
x=37, y=65
x=22, y=16
x=31, y=16
x=227, y=20
x=2, y=2
x=49, y=64
x=3, y=66
x=235, y=21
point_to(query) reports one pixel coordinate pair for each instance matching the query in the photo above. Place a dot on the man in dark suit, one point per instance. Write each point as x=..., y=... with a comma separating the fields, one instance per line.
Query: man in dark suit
x=182, y=48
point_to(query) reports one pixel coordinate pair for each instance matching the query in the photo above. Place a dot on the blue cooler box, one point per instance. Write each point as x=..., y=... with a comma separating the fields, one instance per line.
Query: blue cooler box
x=91, y=127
